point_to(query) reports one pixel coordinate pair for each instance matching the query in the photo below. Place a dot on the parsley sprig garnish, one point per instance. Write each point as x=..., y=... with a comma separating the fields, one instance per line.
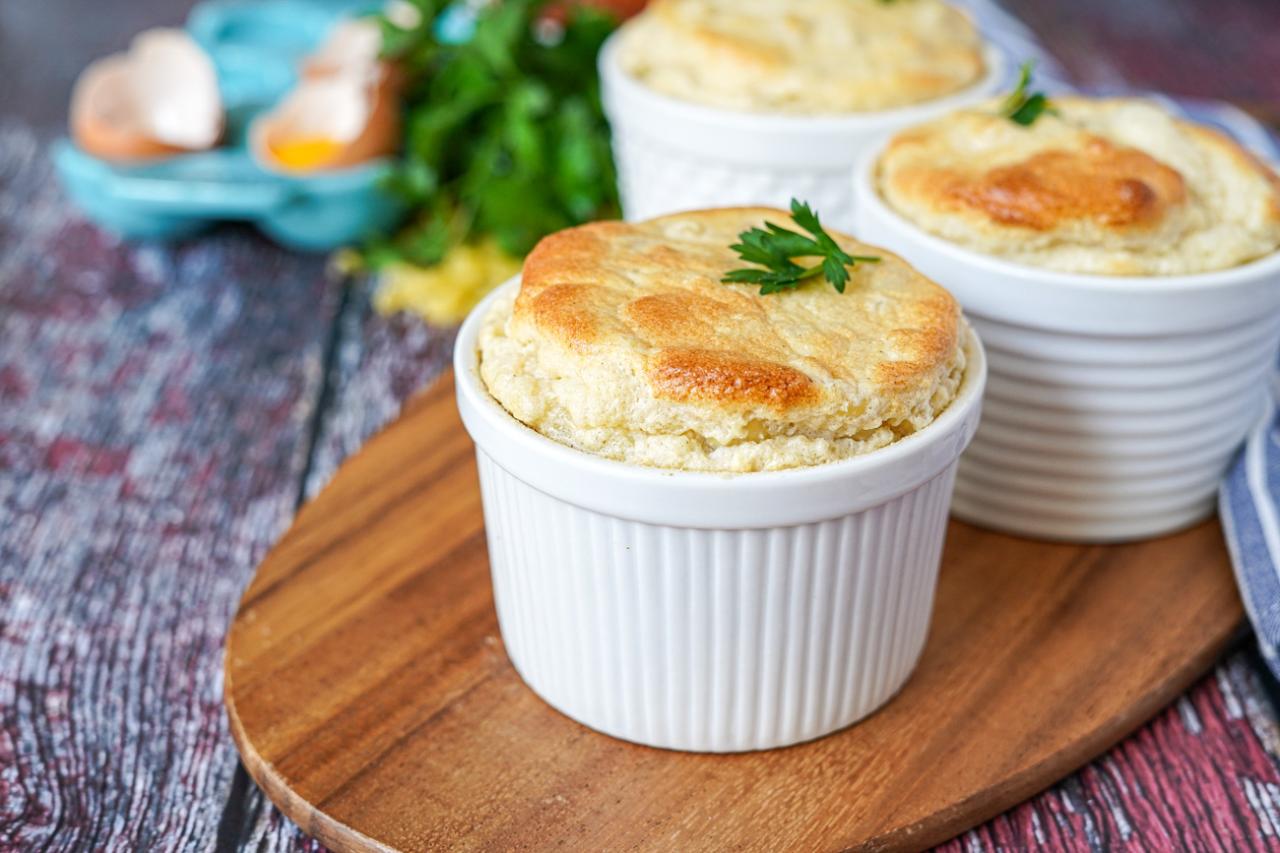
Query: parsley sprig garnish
x=1022, y=106
x=774, y=247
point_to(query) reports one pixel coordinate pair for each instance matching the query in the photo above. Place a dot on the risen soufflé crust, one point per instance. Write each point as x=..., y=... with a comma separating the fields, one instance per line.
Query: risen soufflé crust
x=1097, y=186
x=802, y=56
x=623, y=342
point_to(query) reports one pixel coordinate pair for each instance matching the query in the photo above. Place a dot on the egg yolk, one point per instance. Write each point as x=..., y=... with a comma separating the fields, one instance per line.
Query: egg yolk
x=302, y=154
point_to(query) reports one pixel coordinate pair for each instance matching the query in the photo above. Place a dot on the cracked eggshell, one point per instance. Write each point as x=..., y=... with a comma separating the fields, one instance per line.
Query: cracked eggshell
x=327, y=123
x=158, y=99
x=352, y=48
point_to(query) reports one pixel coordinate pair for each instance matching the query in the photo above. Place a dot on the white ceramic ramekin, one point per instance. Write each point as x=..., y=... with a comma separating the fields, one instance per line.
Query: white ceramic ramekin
x=1115, y=402
x=711, y=612
x=676, y=155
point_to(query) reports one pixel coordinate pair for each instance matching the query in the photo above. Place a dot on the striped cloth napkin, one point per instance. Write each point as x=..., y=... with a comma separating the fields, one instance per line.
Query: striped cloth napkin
x=1249, y=499
x=1247, y=505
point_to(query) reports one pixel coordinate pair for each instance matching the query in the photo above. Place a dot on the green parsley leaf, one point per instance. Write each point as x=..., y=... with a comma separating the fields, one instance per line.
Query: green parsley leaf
x=1022, y=106
x=1030, y=110
x=774, y=248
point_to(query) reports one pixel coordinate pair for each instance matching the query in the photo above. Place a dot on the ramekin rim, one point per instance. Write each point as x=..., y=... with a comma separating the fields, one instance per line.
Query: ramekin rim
x=865, y=192
x=609, y=69
x=466, y=375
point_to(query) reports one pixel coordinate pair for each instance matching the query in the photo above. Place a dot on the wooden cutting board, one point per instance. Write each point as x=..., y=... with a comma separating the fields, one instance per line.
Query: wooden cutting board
x=370, y=697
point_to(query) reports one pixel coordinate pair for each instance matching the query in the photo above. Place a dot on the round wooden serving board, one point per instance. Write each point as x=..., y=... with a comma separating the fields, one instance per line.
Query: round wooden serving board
x=371, y=699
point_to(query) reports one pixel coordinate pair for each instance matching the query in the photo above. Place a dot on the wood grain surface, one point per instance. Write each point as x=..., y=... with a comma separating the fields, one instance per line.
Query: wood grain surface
x=371, y=699
x=164, y=408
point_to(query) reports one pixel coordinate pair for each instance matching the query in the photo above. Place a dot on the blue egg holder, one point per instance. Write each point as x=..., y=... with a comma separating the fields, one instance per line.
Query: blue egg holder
x=256, y=49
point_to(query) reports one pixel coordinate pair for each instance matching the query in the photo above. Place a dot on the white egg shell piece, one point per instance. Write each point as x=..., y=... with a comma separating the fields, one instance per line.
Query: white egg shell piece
x=352, y=48
x=174, y=89
x=103, y=90
x=335, y=109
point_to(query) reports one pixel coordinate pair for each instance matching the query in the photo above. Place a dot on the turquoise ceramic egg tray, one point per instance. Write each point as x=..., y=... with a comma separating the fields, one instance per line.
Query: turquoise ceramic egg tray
x=256, y=49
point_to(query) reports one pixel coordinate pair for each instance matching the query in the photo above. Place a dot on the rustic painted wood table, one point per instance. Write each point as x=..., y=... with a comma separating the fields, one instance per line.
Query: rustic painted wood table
x=164, y=410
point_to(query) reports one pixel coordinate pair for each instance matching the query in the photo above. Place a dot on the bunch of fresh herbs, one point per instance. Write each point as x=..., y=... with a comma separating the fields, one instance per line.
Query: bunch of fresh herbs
x=504, y=136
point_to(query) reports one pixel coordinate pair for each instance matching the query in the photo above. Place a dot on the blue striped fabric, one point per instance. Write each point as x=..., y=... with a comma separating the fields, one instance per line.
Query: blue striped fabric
x=1251, y=521
x=1249, y=499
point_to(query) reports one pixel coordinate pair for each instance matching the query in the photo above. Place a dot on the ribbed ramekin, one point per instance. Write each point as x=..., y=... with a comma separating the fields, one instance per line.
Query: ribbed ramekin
x=1114, y=403
x=712, y=612
x=676, y=155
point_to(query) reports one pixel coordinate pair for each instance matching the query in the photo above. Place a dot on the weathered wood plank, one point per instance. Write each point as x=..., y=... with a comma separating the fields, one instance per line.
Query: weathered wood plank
x=379, y=363
x=1201, y=775
x=156, y=409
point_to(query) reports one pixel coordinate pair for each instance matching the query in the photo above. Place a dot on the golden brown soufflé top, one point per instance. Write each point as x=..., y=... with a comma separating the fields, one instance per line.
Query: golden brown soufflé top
x=1098, y=186
x=624, y=342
